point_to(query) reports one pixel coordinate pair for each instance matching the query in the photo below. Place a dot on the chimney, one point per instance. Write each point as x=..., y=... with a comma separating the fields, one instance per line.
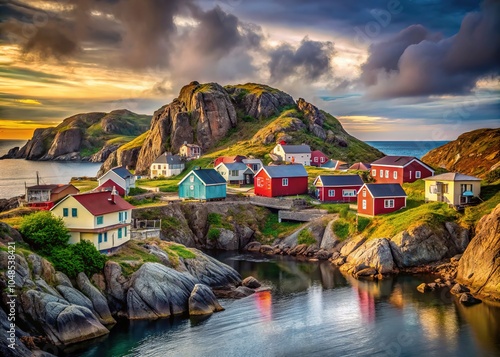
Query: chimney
x=113, y=194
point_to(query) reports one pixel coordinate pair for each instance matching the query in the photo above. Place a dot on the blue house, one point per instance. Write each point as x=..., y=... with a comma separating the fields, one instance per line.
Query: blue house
x=203, y=184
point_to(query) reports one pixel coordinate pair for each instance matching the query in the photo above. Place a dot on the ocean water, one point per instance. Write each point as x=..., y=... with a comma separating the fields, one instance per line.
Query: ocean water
x=14, y=174
x=406, y=148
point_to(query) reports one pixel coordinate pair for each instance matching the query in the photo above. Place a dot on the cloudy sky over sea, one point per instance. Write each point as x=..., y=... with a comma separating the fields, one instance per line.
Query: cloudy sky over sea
x=388, y=69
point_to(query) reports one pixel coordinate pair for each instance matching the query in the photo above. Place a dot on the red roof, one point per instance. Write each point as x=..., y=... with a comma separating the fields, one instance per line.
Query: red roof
x=108, y=186
x=99, y=203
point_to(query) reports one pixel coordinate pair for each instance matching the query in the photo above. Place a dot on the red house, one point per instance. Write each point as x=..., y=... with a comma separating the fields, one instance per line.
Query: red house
x=399, y=169
x=228, y=159
x=283, y=180
x=318, y=158
x=108, y=186
x=337, y=188
x=375, y=199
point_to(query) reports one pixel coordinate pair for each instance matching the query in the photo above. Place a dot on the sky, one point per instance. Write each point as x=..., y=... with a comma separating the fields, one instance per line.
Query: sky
x=387, y=69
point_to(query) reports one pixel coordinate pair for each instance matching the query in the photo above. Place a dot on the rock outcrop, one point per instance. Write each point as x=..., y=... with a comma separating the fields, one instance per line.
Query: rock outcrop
x=375, y=254
x=474, y=153
x=202, y=301
x=479, y=267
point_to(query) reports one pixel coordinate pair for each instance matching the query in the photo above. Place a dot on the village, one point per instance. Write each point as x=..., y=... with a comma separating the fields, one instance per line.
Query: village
x=103, y=215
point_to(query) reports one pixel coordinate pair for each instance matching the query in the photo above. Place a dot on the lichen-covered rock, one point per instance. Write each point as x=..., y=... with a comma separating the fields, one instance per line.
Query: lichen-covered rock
x=202, y=301
x=253, y=247
x=479, y=267
x=329, y=240
x=374, y=254
x=62, y=279
x=251, y=282
x=158, y=291
x=98, y=300
x=41, y=267
x=228, y=240
x=63, y=323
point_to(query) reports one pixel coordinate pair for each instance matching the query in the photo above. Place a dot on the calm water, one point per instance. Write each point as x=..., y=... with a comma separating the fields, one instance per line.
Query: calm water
x=313, y=310
x=406, y=148
x=14, y=173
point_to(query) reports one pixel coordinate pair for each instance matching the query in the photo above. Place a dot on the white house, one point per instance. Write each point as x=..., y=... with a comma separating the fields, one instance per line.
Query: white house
x=236, y=172
x=254, y=164
x=297, y=154
x=167, y=165
x=190, y=151
x=119, y=175
x=102, y=218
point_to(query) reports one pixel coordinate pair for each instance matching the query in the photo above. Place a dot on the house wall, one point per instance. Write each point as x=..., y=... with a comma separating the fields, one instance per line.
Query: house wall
x=380, y=177
x=111, y=175
x=304, y=159
x=71, y=190
x=338, y=197
x=411, y=169
x=452, y=196
x=199, y=191
x=399, y=202
x=296, y=186
x=320, y=157
x=84, y=218
x=364, y=195
x=165, y=170
x=262, y=184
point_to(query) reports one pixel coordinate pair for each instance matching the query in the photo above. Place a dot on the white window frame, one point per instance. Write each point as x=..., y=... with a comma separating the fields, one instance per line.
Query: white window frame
x=395, y=175
x=260, y=182
x=381, y=173
x=386, y=174
x=348, y=193
x=315, y=159
x=374, y=172
x=191, y=178
x=418, y=174
x=389, y=203
x=284, y=182
x=364, y=204
x=364, y=192
x=331, y=193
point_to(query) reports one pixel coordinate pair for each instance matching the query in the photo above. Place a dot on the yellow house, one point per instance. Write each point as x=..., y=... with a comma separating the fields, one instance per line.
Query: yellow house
x=453, y=188
x=103, y=218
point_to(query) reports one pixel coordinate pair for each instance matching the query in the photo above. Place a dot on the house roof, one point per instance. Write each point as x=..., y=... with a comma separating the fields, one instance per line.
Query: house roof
x=207, y=176
x=340, y=180
x=394, y=160
x=252, y=161
x=285, y=171
x=452, y=176
x=230, y=159
x=360, y=166
x=236, y=166
x=99, y=203
x=122, y=172
x=192, y=145
x=55, y=188
x=168, y=159
x=108, y=186
x=385, y=189
x=296, y=149
x=317, y=152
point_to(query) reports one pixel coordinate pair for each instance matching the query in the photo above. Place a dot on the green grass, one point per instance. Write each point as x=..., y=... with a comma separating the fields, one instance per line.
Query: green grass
x=213, y=234
x=121, y=139
x=85, y=185
x=131, y=256
x=182, y=251
x=134, y=191
x=343, y=228
x=272, y=229
x=135, y=143
x=306, y=237
x=490, y=194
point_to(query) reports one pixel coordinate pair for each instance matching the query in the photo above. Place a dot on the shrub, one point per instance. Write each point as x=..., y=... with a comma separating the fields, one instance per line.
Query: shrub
x=306, y=237
x=134, y=191
x=213, y=233
x=44, y=231
x=341, y=228
x=363, y=222
x=93, y=261
x=493, y=176
x=182, y=251
x=344, y=212
x=64, y=260
x=214, y=219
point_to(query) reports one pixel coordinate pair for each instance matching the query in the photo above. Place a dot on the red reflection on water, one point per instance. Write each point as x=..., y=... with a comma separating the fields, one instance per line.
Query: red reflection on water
x=264, y=300
x=366, y=305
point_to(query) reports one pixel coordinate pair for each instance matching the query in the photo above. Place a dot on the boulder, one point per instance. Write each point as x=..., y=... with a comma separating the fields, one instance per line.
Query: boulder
x=62, y=279
x=251, y=282
x=20, y=349
x=482, y=276
x=329, y=240
x=423, y=288
x=202, y=301
x=7, y=233
x=43, y=286
x=245, y=235
x=158, y=291
x=62, y=322
x=98, y=300
x=75, y=297
x=375, y=253
x=22, y=272
x=351, y=245
x=367, y=272
x=116, y=283
x=228, y=240
x=458, y=289
x=41, y=267
x=468, y=299
x=243, y=291
x=266, y=249
x=253, y=247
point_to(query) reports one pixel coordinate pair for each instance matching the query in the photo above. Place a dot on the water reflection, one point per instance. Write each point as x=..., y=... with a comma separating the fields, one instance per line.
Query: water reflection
x=313, y=310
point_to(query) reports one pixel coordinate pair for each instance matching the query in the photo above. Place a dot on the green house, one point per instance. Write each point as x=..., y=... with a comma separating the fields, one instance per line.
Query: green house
x=203, y=184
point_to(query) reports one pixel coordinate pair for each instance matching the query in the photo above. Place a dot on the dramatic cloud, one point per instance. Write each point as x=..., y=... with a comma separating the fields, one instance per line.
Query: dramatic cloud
x=417, y=63
x=310, y=60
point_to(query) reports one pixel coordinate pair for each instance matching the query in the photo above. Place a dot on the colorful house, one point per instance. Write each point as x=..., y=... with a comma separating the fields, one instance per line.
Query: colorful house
x=282, y=180
x=102, y=218
x=203, y=184
x=121, y=176
x=318, y=158
x=360, y=166
x=399, y=169
x=375, y=199
x=190, y=151
x=167, y=165
x=453, y=188
x=254, y=164
x=337, y=188
x=335, y=165
x=228, y=159
x=45, y=196
x=236, y=173
x=110, y=185
x=296, y=154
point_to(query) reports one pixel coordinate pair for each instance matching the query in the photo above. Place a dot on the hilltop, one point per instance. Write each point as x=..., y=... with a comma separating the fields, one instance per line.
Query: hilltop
x=246, y=119
x=473, y=153
x=85, y=136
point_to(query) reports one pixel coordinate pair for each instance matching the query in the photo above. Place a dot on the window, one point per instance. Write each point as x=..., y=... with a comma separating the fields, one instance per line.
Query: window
x=120, y=216
x=395, y=175
x=126, y=215
x=191, y=178
x=260, y=182
x=331, y=193
x=445, y=188
x=349, y=193
x=284, y=182
x=125, y=232
x=388, y=203
x=417, y=174
x=321, y=159
x=381, y=173
x=410, y=174
x=386, y=173
x=364, y=192
x=74, y=212
x=465, y=187
x=119, y=233
x=374, y=172
x=316, y=159
x=65, y=212
x=233, y=172
x=105, y=237
x=100, y=238
x=100, y=219
x=364, y=204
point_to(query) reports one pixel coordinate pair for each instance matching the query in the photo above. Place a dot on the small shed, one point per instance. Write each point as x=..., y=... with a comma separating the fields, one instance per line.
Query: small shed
x=282, y=180
x=337, y=188
x=381, y=198
x=203, y=184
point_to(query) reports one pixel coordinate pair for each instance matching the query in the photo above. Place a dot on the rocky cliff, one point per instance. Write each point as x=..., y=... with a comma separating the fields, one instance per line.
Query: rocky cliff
x=479, y=267
x=474, y=153
x=88, y=136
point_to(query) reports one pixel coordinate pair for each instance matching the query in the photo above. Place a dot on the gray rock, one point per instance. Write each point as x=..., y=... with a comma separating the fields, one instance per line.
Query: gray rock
x=251, y=282
x=243, y=291
x=459, y=235
x=202, y=301
x=98, y=300
x=43, y=286
x=41, y=267
x=158, y=291
x=245, y=235
x=116, y=283
x=352, y=245
x=22, y=271
x=75, y=297
x=62, y=322
x=228, y=240
x=375, y=254
x=330, y=240
x=7, y=233
x=253, y=247
x=12, y=337
x=62, y=279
